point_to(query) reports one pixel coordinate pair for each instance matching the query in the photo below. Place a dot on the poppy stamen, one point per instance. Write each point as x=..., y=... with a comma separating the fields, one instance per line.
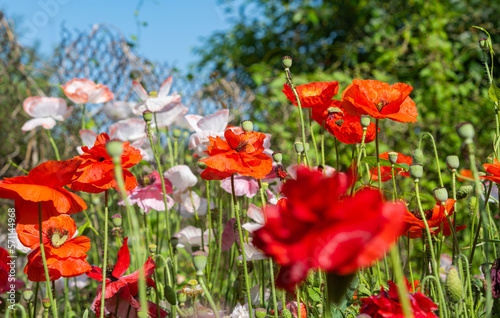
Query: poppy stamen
x=57, y=236
x=241, y=146
x=381, y=104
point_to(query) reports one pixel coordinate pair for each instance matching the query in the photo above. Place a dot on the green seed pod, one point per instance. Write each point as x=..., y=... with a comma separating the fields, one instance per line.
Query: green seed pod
x=171, y=295
x=286, y=61
x=299, y=147
x=177, y=133
x=465, y=131
x=117, y=220
x=199, y=262
x=418, y=156
x=464, y=192
x=152, y=248
x=452, y=162
x=277, y=156
x=247, y=125
x=28, y=294
x=416, y=171
x=440, y=195
x=393, y=157
x=260, y=313
x=46, y=303
x=306, y=147
x=365, y=121
x=453, y=285
x=114, y=148
x=181, y=296
x=148, y=116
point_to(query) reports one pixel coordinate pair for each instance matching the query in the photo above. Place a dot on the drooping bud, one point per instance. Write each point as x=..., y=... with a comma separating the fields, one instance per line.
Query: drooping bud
x=299, y=147
x=199, y=262
x=484, y=45
x=170, y=295
x=286, y=61
x=465, y=131
x=277, y=156
x=440, y=195
x=148, y=116
x=260, y=313
x=365, y=121
x=28, y=294
x=117, y=220
x=452, y=162
x=177, y=133
x=247, y=125
x=453, y=285
x=202, y=165
x=114, y=148
x=464, y=191
x=418, y=156
x=393, y=157
x=416, y=171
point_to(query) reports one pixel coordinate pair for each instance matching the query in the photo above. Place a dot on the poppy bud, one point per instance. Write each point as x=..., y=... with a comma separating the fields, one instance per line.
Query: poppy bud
x=260, y=313
x=277, y=156
x=452, y=162
x=148, y=116
x=247, y=125
x=472, y=205
x=465, y=130
x=418, y=156
x=170, y=295
x=199, y=262
x=117, y=220
x=46, y=303
x=464, y=191
x=285, y=313
x=286, y=61
x=416, y=171
x=181, y=296
x=202, y=165
x=393, y=157
x=453, y=285
x=28, y=294
x=484, y=45
x=152, y=248
x=299, y=147
x=440, y=195
x=114, y=149
x=177, y=133
x=365, y=121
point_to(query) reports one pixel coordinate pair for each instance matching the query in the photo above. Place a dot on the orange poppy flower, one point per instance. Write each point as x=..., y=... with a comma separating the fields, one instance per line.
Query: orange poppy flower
x=380, y=100
x=44, y=184
x=312, y=94
x=239, y=153
x=385, y=172
x=436, y=219
x=96, y=172
x=346, y=128
x=65, y=255
x=492, y=168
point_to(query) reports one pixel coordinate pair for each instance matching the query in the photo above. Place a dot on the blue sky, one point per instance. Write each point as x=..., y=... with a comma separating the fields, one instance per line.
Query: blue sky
x=174, y=26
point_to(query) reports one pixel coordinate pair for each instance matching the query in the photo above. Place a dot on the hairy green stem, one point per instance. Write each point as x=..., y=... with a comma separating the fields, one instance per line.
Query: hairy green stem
x=53, y=143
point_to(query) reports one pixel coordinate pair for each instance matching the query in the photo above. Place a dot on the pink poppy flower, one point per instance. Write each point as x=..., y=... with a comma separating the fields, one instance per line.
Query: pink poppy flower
x=212, y=125
x=148, y=194
x=45, y=110
x=82, y=91
x=191, y=236
x=155, y=101
x=118, y=110
x=171, y=115
x=133, y=130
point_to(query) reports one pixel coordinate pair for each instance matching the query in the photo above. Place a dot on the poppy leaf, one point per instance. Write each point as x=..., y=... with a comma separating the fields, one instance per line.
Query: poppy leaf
x=372, y=161
x=314, y=294
x=494, y=92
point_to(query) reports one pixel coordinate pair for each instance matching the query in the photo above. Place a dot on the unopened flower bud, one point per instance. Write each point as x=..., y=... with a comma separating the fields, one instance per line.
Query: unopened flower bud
x=277, y=156
x=199, y=262
x=46, y=303
x=452, y=162
x=440, y=195
x=453, y=285
x=247, y=125
x=365, y=121
x=148, y=116
x=285, y=313
x=170, y=295
x=484, y=45
x=114, y=149
x=416, y=171
x=464, y=191
x=117, y=220
x=152, y=248
x=28, y=294
x=177, y=133
x=299, y=147
x=286, y=61
x=202, y=165
x=260, y=313
x=393, y=157
x=465, y=131
x=418, y=156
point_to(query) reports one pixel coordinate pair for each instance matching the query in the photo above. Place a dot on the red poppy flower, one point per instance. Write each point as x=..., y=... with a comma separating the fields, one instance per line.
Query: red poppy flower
x=312, y=94
x=436, y=219
x=96, y=173
x=126, y=285
x=387, y=304
x=44, y=184
x=7, y=283
x=320, y=226
x=239, y=153
x=380, y=100
x=65, y=255
x=492, y=168
x=385, y=172
x=345, y=127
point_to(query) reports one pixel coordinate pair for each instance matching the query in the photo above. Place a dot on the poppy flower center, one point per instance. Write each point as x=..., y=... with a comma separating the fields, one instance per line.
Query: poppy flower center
x=146, y=180
x=102, y=159
x=57, y=237
x=381, y=104
x=241, y=146
x=416, y=213
x=153, y=94
x=109, y=272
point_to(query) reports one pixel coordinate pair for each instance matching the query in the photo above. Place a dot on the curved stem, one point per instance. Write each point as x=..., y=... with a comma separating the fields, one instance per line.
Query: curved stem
x=435, y=154
x=53, y=143
x=208, y=296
